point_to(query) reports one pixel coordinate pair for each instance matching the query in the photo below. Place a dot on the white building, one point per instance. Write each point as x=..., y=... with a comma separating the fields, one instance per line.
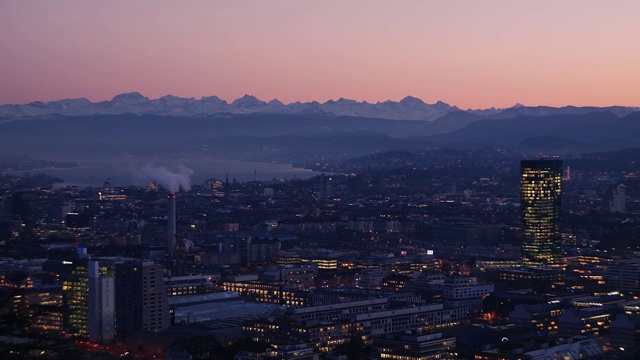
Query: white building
x=102, y=301
x=463, y=292
x=618, y=201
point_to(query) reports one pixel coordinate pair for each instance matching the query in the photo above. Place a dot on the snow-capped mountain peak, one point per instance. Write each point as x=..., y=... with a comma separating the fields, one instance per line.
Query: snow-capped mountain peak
x=132, y=97
x=409, y=108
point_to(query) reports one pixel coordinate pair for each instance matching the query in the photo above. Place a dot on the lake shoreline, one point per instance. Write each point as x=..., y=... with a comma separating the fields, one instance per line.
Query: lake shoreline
x=127, y=172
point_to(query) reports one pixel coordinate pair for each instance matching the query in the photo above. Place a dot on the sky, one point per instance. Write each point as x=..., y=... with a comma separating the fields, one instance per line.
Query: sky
x=473, y=54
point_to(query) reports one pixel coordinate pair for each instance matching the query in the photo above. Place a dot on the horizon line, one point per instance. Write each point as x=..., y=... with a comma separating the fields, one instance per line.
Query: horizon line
x=229, y=102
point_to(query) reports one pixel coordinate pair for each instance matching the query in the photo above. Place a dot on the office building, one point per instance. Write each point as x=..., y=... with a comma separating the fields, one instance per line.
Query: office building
x=141, y=299
x=414, y=345
x=621, y=274
x=327, y=326
x=584, y=321
x=75, y=297
x=615, y=199
x=274, y=292
x=102, y=302
x=42, y=306
x=463, y=292
x=541, y=188
x=542, y=317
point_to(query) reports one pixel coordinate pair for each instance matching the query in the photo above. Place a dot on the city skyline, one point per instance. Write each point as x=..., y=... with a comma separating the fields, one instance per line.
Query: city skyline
x=282, y=180
x=471, y=55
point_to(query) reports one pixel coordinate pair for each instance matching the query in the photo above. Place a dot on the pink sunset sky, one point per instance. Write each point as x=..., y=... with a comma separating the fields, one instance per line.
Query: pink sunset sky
x=474, y=54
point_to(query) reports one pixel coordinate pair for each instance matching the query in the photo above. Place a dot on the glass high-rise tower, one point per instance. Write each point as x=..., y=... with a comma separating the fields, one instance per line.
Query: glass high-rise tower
x=75, y=297
x=540, y=191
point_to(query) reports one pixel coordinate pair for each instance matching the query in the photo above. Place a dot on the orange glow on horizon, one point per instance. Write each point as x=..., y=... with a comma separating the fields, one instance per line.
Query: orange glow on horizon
x=493, y=53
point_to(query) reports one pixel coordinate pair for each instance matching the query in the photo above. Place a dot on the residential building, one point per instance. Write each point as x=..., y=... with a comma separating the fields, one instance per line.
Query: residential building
x=141, y=299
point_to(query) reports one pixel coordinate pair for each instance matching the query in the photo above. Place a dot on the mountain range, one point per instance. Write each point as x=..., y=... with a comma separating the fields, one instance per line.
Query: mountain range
x=133, y=126
x=409, y=108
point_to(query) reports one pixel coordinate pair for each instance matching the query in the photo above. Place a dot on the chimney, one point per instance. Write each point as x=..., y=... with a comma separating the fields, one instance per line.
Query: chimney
x=171, y=224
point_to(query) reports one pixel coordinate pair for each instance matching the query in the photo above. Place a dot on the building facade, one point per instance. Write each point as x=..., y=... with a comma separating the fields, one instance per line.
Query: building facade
x=540, y=200
x=102, y=301
x=75, y=294
x=463, y=292
x=141, y=299
x=414, y=345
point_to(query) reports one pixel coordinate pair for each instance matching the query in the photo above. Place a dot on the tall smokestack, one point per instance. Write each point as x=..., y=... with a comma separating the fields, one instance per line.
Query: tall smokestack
x=171, y=224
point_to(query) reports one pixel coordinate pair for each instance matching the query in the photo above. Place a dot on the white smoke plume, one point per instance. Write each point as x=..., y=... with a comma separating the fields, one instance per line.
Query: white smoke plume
x=165, y=177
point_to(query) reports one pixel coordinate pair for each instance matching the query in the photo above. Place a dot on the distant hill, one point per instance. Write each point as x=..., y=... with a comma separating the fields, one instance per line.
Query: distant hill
x=255, y=137
x=596, y=131
x=432, y=158
x=13, y=162
x=301, y=137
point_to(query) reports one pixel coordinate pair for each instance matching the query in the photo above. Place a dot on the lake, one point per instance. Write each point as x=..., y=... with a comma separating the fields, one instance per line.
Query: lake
x=133, y=171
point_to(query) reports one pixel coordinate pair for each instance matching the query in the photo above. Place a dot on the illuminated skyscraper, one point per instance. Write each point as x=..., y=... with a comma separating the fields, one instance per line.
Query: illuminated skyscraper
x=540, y=190
x=75, y=296
x=89, y=300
